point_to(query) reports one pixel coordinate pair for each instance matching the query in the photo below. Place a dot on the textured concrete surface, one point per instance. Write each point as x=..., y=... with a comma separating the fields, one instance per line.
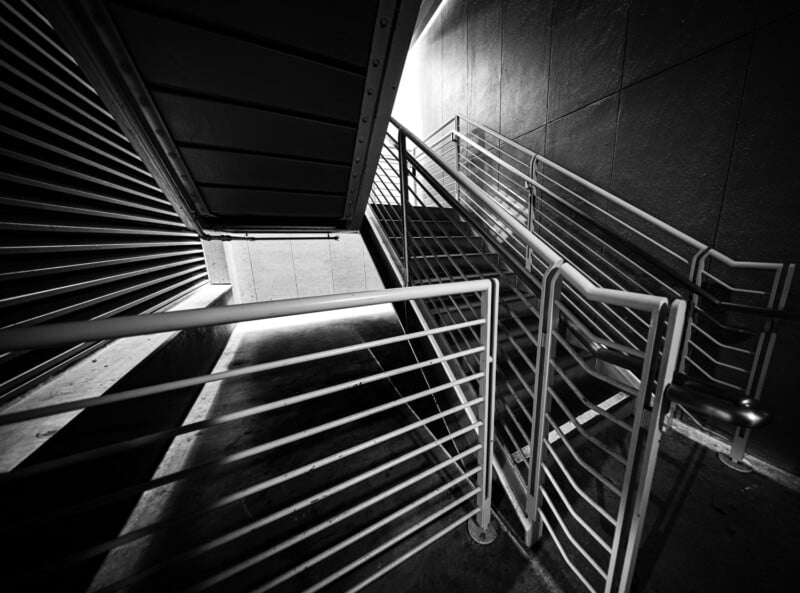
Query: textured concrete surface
x=91, y=377
x=54, y=504
x=683, y=108
x=453, y=563
x=712, y=530
x=267, y=270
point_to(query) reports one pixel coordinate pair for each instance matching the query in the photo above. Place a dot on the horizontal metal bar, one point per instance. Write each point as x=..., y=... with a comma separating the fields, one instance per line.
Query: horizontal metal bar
x=388, y=544
x=82, y=331
x=65, y=118
x=136, y=534
x=294, y=508
x=714, y=360
x=339, y=517
x=89, y=283
x=570, y=273
x=228, y=460
x=139, y=392
x=592, y=562
x=83, y=247
x=708, y=274
x=564, y=554
x=577, y=426
x=63, y=100
x=372, y=528
x=86, y=212
x=43, y=269
x=603, y=193
x=581, y=461
x=25, y=324
x=600, y=510
x=65, y=461
x=50, y=165
x=581, y=521
x=418, y=548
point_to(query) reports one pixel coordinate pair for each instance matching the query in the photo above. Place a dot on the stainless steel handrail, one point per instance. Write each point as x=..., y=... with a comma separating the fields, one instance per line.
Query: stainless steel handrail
x=676, y=262
x=472, y=484
x=543, y=250
x=438, y=204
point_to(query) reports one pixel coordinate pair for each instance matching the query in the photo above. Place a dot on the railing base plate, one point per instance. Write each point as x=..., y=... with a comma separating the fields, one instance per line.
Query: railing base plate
x=482, y=536
x=739, y=466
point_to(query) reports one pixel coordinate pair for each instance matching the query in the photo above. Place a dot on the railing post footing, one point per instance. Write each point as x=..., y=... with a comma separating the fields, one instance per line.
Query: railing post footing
x=533, y=533
x=480, y=535
x=740, y=466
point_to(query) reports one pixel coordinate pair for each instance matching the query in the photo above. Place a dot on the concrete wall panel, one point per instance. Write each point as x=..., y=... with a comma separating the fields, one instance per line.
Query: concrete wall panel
x=526, y=61
x=454, y=59
x=312, y=265
x=274, y=271
x=674, y=139
x=654, y=101
x=583, y=141
x=484, y=45
x=662, y=34
x=587, y=51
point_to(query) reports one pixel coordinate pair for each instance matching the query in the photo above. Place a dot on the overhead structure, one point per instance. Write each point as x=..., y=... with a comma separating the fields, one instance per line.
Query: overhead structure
x=250, y=115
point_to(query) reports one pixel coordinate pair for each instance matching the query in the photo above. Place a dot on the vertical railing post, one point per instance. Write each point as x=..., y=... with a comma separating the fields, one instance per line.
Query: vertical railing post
x=488, y=361
x=758, y=373
x=634, y=482
x=641, y=492
x=696, y=268
x=548, y=322
x=403, y=166
x=456, y=139
x=531, y=207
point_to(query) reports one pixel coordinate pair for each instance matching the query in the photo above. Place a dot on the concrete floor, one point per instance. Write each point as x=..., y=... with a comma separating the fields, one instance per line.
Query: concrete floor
x=707, y=530
x=467, y=563
x=712, y=530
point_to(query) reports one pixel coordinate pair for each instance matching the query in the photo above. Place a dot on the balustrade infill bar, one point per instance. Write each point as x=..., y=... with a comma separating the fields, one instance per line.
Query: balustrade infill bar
x=372, y=528
x=153, y=528
x=547, y=254
x=327, y=523
x=698, y=246
x=58, y=334
x=565, y=556
x=140, y=392
x=599, y=190
x=309, y=501
x=228, y=460
x=355, y=564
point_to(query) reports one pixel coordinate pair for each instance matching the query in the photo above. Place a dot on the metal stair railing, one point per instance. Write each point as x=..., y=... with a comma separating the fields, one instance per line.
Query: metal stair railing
x=464, y=479
x=733, y=306
x=557, y=329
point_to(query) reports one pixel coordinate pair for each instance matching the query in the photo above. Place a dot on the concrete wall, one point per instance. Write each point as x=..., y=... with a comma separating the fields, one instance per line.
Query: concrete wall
x=686, y=109
x=267, y=269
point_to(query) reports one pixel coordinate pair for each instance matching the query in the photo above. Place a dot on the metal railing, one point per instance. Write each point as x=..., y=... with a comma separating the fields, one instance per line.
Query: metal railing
x=464, y=493
x=570, y=351
x=733, y=306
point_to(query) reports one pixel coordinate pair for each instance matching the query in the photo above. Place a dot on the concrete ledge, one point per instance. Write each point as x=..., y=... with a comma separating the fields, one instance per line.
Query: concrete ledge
x=91, y=377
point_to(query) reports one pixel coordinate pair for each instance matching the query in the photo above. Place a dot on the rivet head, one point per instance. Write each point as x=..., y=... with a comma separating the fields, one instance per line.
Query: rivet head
x=364, y=119
x=369, y=91
x=376, y=62
x=361, y=139
x=384, y=22
x=358, y=160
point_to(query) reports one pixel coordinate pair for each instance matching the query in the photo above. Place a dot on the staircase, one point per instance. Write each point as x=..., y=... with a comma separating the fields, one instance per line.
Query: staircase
x=318, y=454
x=594, y=338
